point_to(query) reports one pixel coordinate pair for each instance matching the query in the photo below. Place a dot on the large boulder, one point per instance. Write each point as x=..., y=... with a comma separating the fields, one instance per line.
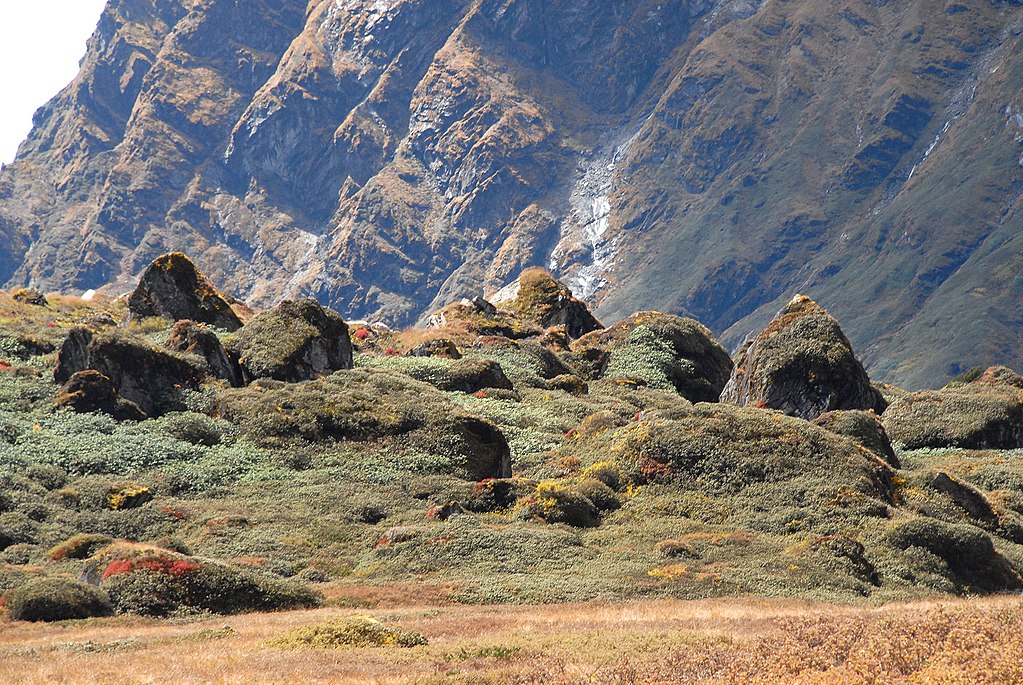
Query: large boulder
x=139, y=371
x=189, y=337
x=294, y=341
x=803, y=365
x=172, y=287
x=90, y=391
x=984, y=414
x=659, y=350
x=538, y=297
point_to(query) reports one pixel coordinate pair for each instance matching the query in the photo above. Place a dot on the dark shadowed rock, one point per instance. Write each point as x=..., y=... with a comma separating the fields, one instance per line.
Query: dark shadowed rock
x=189, y=337
x=443, y=348
x=984, y=414
x=173, y=287
x=660, y=350
x=803, y=365
x=90, y=391
x=140, y=372
x=864, y=427
x=294, y=341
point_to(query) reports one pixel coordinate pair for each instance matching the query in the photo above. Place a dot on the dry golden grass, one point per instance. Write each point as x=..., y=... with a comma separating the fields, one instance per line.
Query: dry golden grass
x=724, y=641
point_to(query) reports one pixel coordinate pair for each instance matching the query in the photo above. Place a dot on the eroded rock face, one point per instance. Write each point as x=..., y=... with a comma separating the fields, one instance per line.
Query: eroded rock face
x=803, y=365
x=139, y=372
x=173, y=287
x=659, y=350
x=294, y=341
x=189, y=337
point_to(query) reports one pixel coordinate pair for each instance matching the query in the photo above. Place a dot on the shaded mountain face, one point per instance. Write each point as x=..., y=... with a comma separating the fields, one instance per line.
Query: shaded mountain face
x=707, y=158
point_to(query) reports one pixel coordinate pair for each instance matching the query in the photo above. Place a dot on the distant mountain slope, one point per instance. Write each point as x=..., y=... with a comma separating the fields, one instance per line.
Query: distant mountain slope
x=709, y=158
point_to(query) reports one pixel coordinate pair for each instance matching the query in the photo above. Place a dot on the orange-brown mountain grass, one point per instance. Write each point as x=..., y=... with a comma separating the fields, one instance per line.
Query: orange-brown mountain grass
x=720, y=642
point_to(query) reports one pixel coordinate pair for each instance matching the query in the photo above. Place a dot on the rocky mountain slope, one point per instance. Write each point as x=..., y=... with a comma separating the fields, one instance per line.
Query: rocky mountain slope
x=706, y=158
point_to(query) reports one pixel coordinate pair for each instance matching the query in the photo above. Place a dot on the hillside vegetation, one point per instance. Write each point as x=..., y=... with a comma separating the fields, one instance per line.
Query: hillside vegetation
x=488, y=456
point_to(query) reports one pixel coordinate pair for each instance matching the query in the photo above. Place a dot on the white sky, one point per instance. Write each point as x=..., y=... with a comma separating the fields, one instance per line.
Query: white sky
x=41, y=42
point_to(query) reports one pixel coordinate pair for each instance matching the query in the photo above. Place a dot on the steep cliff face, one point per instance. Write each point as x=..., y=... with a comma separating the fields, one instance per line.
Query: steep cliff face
x=708, y=158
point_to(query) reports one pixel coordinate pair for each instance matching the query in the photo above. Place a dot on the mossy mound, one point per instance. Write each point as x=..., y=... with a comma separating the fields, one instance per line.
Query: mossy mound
x=157, y=582
x=293, y=342
x=140, y=372
x=57, y=599
x=370, y=404
x=864, y=427
x=659, y=350
x=961, y=554
x=984, y=414
x=803, y=365
x=172, y=287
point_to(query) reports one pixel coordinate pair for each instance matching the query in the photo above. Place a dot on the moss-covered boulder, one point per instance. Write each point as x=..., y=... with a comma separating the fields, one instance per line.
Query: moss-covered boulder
x=984, y=414
x=398, y=414
x=30, y=296
x=803, y=365
x=538, y=297
x=172, y=287
x=295, y=341
x=140, y=372
x=189, y=337
x=864, y=427
x=662, y=351
x=90, y=391
x=442, y=347
x=57, y=599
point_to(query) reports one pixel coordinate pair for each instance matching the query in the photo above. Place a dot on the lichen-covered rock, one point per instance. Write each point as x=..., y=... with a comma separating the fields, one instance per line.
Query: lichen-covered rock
x=659, y=350
x=90, y=391
x=172, y=287
x=189, y=337
x=803, y=365
x=864, y=427
x=295, y=341
x=140, y=372
x=984, y=414
x=540, y=298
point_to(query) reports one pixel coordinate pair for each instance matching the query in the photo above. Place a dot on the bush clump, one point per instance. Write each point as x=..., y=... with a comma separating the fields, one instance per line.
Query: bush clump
x=57, y=599
x=159, y=583
x=81, y=546
x=354, y=632
x=561, y=502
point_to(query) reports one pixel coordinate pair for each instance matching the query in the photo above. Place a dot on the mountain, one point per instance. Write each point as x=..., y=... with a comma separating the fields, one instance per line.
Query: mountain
x=707, y=158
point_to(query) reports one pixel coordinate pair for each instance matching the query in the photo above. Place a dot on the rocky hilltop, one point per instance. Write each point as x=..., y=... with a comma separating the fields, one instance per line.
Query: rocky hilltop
x=707, y=158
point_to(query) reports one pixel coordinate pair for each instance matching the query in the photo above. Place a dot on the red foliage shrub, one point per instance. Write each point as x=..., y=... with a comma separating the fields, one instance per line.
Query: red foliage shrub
x=361, y=334
x=163, y=565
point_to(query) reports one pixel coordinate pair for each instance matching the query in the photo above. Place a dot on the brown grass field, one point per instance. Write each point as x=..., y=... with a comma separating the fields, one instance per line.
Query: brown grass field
x=721, y=641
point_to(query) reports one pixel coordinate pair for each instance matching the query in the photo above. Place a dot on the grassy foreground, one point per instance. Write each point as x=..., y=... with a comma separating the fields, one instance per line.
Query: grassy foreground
x=665, y=641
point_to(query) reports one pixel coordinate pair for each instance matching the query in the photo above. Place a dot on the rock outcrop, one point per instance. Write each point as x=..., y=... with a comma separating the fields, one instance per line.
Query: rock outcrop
x=173, y=287
x=865, y=428
x=538, y=297
x=659, y=350
x=803, y=365
x=139, y=372
x=90, y=391
x=189, y=337
x=294, y=341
